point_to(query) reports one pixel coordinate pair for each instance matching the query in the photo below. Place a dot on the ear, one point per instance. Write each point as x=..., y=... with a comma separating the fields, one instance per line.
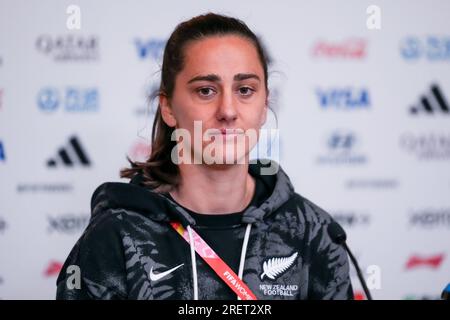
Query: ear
x=166, y=111
x=264, y=115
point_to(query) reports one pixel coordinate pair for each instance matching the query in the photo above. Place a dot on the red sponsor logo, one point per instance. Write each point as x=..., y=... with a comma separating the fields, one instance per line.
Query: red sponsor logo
x=53, y=269
x=140, y=151
x=419, y=261
x=359, y=295
x=347, y=49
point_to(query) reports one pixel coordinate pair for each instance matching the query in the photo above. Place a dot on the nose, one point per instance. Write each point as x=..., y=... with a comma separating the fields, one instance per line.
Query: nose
x=227, y=109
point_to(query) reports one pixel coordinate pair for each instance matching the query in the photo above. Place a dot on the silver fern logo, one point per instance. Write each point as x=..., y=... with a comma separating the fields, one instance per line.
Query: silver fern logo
x=274, y=267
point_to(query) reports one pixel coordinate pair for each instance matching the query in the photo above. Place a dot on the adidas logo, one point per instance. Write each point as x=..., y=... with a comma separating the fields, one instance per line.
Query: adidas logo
x=70, y=155
x=432, y=104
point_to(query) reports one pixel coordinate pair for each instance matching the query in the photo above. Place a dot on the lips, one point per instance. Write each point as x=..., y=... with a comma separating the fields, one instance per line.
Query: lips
x=229, y=131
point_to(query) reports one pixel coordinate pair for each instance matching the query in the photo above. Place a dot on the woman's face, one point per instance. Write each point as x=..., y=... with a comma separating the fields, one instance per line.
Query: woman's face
x=222, y=85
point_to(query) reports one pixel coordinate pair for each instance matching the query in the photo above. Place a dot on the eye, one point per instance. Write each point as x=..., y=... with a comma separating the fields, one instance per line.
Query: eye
x=205, y=92
x=246, y=91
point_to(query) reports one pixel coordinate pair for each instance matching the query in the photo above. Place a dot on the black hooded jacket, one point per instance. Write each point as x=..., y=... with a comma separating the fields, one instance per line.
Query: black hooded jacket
x=130, y=251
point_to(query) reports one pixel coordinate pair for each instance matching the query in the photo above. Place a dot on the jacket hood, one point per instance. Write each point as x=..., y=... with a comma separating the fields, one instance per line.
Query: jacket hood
x=157, y=206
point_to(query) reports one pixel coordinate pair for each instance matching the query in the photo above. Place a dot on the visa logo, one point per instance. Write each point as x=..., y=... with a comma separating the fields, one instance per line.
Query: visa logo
x=152, y=48
x=344, y=99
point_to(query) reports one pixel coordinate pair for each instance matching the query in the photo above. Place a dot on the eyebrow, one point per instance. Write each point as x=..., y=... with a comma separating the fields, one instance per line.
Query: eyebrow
x=216, y=78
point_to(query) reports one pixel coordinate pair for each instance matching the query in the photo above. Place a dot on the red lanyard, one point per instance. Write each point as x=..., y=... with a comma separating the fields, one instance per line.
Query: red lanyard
x=216, y=263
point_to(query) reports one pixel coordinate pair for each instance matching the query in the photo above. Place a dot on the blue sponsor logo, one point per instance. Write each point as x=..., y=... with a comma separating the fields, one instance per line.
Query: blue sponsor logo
x=341, y=142
x=70, y=99
x=342, y=148
x=152, y=48
x=432, y=48
x=2, y=152
x=343, y=98
x=48, y=99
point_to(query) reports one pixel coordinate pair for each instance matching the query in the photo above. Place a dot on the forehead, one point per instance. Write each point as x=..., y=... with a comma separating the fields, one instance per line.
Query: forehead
x=228, y=54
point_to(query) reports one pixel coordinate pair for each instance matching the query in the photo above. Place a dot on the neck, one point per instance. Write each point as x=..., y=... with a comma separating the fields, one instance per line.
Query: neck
x=214, y=190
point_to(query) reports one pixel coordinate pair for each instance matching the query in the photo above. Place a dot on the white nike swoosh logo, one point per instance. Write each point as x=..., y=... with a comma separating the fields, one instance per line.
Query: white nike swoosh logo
x=155, y=277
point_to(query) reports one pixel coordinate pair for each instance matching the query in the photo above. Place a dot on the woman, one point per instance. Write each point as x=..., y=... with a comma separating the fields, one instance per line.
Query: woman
x=213, y=225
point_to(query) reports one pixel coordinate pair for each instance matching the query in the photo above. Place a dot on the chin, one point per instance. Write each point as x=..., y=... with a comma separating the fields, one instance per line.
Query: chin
x=225, y=159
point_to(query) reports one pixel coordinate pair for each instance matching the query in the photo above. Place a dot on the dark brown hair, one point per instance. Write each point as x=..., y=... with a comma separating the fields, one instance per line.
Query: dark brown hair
x=159, y=172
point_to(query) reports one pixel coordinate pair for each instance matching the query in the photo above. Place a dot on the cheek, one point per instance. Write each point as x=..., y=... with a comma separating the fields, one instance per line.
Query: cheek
x=187, y=110
x=185, y=115
x=255, y=118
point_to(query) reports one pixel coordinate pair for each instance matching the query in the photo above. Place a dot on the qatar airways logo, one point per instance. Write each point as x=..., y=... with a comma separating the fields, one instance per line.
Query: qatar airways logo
x=217, y=146
x=70, y=47
x=427, y=146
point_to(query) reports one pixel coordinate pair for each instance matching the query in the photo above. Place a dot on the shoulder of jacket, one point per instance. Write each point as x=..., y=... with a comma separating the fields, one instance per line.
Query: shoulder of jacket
x=312, y=212
x=105, y=222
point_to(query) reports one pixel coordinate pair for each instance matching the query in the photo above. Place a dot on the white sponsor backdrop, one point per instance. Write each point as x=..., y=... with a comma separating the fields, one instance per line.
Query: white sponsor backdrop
x=344, y=95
